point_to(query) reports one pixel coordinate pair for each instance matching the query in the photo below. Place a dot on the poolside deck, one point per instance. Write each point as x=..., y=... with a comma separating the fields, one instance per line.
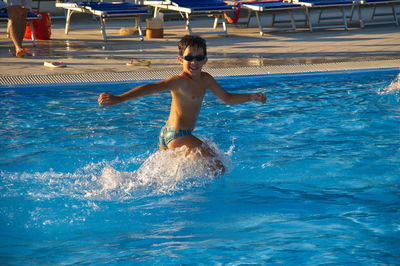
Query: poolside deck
x=84, y=50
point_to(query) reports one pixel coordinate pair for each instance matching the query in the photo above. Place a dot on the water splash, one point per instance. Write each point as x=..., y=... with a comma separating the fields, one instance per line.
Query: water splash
x=161, y=173
x=392, y=88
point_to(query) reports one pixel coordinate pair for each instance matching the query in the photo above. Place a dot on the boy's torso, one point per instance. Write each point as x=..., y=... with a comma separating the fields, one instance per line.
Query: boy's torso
x=186, y=102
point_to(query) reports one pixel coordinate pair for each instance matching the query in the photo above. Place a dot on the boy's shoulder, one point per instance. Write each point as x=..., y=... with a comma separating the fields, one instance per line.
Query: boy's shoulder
x=207, y=77
x=206, y=74
x=185, y=79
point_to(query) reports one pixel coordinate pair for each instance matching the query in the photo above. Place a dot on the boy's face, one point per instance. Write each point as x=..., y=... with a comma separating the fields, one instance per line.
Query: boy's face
x=193, y=60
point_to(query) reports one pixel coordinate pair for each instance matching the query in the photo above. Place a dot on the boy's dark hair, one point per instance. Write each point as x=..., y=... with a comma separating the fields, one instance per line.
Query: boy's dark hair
x=193, y=41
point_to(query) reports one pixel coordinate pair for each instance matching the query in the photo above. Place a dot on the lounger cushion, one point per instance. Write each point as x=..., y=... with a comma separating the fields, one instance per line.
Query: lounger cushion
x=274, y=4
x=329, y=2
x=199, y=5
x=109, y=9
x=109, y=6
x=378, y=1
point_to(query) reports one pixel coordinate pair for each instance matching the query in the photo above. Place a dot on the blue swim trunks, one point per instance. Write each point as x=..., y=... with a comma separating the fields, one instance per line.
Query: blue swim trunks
x=168, y=134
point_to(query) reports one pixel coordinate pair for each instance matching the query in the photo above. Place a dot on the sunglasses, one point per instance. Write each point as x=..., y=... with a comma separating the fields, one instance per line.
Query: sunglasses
x=190, y=58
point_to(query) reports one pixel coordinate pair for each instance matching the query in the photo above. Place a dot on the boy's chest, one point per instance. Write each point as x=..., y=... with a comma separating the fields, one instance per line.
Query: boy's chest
x=193, y=93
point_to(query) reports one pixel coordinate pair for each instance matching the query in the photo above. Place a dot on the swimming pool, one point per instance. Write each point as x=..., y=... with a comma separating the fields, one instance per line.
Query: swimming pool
x=313, y=176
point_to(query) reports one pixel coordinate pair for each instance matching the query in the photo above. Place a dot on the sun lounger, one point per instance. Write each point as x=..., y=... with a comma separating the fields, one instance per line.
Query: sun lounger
x=189, y=8
x=30, y=17
x=383, y=5
x=325, y=5
x=274, y=7
x=103, y=11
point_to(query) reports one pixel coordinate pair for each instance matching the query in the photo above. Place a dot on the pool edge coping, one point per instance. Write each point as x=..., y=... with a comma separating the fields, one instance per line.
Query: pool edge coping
x=272, y=70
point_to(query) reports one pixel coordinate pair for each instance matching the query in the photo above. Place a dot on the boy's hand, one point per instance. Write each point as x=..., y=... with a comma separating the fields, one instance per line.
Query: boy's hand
x=259, y=97
x=108, y=99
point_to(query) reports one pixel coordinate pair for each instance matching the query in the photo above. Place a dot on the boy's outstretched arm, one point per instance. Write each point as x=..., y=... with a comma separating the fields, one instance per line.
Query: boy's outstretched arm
x=233, y=98
x=140, y=91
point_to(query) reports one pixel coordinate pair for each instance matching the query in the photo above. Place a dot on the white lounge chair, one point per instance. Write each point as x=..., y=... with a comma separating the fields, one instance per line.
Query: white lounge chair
x=325, y=5
x=103, y=11
x=189, y=8
x=274, y=7
x=383, y=5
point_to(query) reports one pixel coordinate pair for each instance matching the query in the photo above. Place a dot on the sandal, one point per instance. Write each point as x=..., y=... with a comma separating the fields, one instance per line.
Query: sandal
x=54, y=64
x=138, y=62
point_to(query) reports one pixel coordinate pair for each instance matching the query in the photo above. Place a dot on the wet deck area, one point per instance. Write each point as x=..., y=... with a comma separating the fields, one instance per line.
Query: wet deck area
x=83, y=50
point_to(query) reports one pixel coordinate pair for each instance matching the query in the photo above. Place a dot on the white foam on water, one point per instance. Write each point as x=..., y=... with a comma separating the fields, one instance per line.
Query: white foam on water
x=392, y=88
x=161, y=173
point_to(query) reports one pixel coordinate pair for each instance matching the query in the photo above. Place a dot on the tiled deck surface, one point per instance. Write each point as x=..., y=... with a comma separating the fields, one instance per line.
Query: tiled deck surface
x=85, y=52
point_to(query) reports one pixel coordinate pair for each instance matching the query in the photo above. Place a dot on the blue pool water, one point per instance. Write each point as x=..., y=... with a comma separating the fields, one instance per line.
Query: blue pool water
x=313, y=176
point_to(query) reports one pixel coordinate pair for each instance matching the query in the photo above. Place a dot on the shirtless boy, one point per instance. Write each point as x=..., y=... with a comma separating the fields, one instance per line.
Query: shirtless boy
x=187, y=90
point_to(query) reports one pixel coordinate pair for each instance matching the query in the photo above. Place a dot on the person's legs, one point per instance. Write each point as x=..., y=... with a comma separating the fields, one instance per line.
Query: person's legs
x=193, y=143
x=16, y=27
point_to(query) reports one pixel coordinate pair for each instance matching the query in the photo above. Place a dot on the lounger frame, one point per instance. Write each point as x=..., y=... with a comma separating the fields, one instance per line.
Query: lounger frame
x=320, y=7
x=260, y=9
x=30, y=17
x=102, y=16
x=375, y=4
x=187, y=13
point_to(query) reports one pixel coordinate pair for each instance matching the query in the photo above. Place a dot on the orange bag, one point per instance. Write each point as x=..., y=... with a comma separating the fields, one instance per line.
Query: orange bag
x=41, y=26
x=233, y=16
